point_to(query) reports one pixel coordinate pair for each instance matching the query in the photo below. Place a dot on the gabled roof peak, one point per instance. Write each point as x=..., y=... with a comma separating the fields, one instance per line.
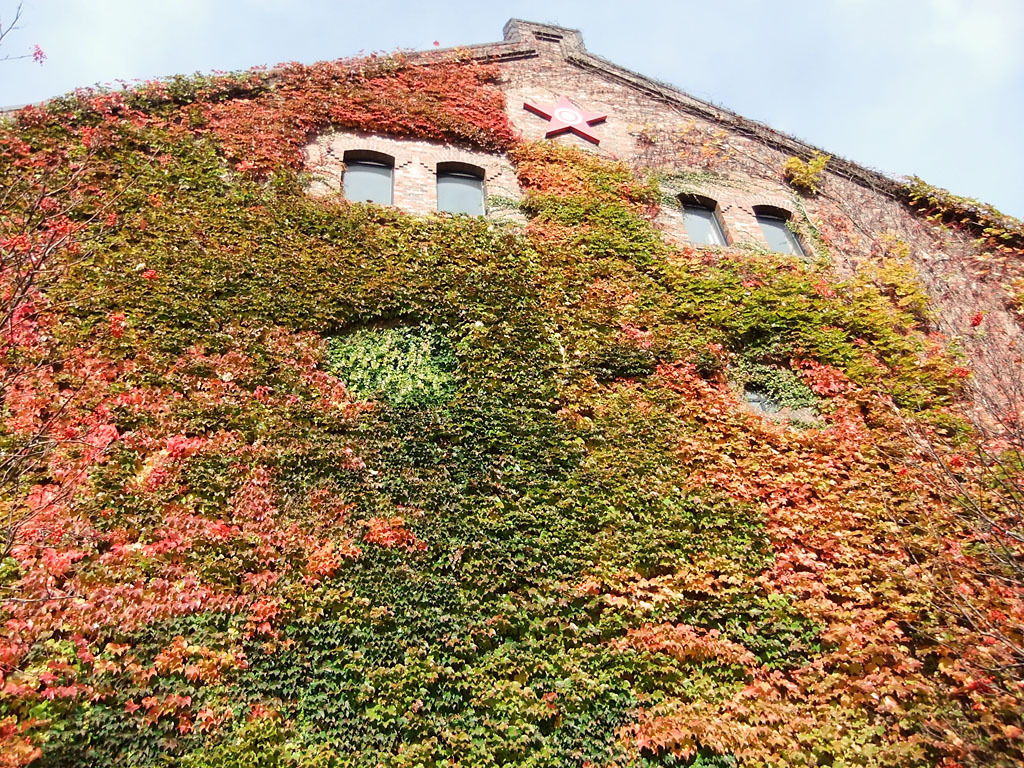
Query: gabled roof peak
x=522, y=31
x=524, y=38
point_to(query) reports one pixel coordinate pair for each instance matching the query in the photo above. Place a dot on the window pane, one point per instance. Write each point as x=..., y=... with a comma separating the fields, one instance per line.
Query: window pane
x=760, y=401
x=702, y=226
x=460, y=193
x=778, y=236
x=368, y=183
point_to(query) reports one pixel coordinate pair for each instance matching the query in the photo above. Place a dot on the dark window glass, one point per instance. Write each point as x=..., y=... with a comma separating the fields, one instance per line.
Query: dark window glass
x=460, y=193
x=368, y=182
x=778, y=235
x=702, y=225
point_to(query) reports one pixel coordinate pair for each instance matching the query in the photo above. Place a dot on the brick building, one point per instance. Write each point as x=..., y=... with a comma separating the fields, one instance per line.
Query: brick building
x=708, y=157
x=657, y=458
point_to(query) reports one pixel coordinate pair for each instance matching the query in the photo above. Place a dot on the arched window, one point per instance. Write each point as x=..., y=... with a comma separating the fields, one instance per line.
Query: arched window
x=773, y=225
x=369, y=176
x=460, y=188
x=700, y=217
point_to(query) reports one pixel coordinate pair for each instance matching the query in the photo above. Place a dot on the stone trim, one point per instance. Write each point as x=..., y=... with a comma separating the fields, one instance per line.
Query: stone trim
x=735, y=207
x=771, y=201
x=415, y=168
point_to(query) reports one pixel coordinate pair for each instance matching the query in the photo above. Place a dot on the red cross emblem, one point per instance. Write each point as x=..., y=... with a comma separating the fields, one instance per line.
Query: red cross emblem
x=563, y=117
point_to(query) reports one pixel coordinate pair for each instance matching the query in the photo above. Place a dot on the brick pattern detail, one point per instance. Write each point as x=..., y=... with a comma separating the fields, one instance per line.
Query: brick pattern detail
x=415, y=179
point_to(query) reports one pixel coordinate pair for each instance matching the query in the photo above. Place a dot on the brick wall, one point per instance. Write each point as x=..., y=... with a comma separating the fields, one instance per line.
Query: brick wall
x=695, y=148
x=632, y=118
x=415, y=178
x=698, y=148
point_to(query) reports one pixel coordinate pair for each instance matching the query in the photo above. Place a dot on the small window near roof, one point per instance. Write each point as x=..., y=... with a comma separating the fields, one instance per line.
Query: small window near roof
x=369, y=176
x=460, y=188
x=779, y=236
x=700, y=217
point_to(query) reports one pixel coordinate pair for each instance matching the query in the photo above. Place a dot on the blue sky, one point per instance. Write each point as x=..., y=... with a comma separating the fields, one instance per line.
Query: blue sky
x=929, y=87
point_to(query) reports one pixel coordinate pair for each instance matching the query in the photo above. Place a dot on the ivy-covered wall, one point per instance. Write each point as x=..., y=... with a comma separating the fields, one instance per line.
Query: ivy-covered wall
x=966, y=255
x=299, y=483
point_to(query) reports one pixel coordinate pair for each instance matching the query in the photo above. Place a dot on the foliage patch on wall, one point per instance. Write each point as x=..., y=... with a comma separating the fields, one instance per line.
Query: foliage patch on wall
x=401, y=365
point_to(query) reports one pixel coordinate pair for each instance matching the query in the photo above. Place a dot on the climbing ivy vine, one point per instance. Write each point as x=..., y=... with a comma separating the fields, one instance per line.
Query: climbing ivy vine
x=331, y=485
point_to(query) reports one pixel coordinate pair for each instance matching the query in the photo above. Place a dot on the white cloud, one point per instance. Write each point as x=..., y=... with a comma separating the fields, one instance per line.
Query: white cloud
x=984, y=34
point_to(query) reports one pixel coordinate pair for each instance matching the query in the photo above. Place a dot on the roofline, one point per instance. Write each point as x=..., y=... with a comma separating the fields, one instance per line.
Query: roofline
x=519, y=42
